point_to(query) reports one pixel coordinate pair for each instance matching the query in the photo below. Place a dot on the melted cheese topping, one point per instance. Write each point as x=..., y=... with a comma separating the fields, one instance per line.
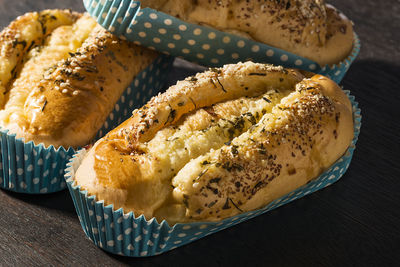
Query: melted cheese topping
x=194, y=135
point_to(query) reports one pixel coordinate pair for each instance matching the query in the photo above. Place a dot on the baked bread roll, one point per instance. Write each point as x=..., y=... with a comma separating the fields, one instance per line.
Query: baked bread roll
x=60, y=76
x=222, y=142
x=308, y=28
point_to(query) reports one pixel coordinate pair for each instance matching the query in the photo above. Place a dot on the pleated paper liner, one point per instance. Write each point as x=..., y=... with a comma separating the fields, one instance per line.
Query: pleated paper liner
x=203, y=45
x=26, y=167
x=124, y=234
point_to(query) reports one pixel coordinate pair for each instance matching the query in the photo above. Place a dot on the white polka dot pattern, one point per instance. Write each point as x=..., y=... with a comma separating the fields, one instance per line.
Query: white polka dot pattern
x=178, y=38
x=30, y=168
x=135, y=236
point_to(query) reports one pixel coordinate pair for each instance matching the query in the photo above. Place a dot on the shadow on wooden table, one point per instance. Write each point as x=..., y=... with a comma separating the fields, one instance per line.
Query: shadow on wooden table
x=60, y=200
x=369, y=77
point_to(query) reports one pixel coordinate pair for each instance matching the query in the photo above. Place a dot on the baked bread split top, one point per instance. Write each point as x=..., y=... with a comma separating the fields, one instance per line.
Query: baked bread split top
x=308, y=28
x=60, y=76
x=222, y=142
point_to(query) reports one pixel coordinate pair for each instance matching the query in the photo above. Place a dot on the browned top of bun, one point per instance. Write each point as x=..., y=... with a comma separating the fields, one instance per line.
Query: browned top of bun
x=61, y=76
x=227, y=140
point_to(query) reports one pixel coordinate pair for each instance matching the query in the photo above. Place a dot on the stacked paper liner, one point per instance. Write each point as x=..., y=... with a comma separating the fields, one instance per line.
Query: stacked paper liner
x=203, y=45
x=26, y=167
x=132, y=235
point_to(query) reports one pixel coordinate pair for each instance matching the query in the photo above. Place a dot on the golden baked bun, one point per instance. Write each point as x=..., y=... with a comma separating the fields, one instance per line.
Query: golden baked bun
x=60, y=76
x=308, y=28
x=222, y=142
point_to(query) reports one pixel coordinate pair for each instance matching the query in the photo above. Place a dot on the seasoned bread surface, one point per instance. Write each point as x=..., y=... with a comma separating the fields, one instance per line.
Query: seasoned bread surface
x=61, y=75
x=222, y=142
x=308, y=28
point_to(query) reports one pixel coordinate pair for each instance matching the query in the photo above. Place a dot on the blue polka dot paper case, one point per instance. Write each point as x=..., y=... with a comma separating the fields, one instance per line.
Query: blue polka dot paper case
x=124, y=234
x=203, y=45
x=26, y=167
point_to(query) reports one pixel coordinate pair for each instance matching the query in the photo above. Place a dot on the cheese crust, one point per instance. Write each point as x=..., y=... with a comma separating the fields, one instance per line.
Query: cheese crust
x=225, y=141
x=60, y=76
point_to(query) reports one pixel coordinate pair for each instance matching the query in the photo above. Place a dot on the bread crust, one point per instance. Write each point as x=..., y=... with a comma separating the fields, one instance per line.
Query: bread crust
x=178, y=158
x=24, y=32
x=308, y=28
x=67, y=77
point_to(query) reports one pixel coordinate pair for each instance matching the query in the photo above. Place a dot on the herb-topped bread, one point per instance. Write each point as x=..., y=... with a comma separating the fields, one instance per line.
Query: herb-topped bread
x=222, y=142
x=308, y=28
x=61, y=75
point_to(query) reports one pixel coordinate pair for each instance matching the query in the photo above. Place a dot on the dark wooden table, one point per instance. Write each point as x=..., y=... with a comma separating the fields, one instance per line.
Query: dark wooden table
x=354, y=222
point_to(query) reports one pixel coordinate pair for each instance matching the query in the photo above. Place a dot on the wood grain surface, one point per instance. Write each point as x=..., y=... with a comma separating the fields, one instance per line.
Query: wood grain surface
x=354, y=222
